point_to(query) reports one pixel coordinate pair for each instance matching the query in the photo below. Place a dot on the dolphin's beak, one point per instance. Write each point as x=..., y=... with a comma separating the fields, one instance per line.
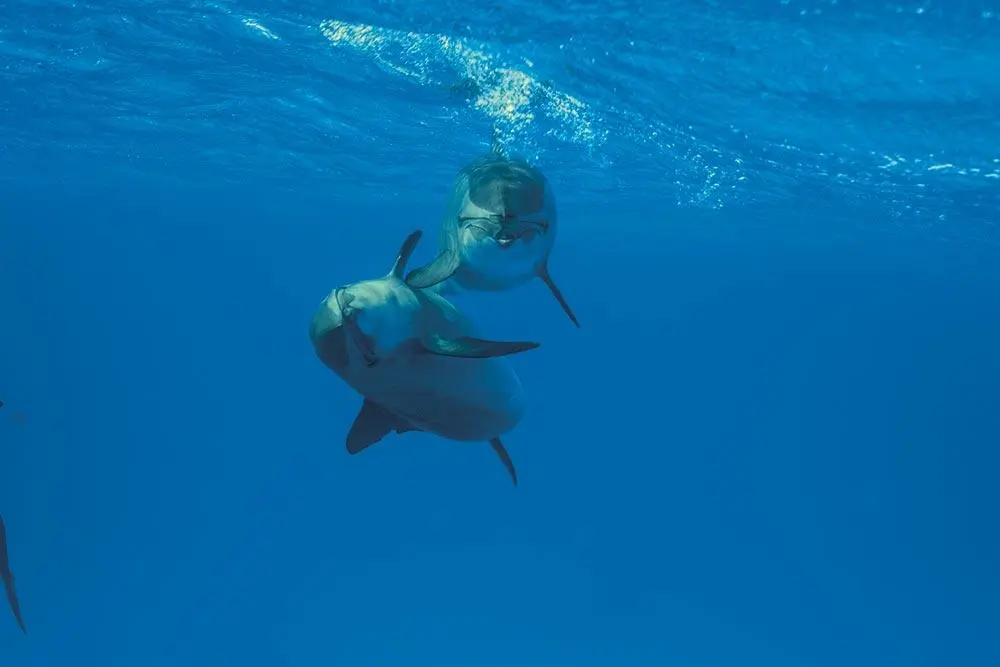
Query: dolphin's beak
x=332, y=348
x=358, y=337
x=329, y=337
x=501, y=228
x=504, y=228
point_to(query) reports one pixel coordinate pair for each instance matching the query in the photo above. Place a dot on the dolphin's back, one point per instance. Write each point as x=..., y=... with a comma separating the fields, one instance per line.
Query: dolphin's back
x=498, y=185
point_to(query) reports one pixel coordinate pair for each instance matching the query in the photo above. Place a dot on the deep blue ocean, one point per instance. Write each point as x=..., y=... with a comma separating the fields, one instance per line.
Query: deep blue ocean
x=773, y=441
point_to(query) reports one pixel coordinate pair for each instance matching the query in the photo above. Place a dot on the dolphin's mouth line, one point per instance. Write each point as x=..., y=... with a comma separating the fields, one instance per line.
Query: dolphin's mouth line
x=507, y=230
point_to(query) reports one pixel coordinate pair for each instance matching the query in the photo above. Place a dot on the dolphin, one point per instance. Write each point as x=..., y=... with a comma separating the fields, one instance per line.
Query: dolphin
x=498, y=230
x=8, y=578
x=414, y=359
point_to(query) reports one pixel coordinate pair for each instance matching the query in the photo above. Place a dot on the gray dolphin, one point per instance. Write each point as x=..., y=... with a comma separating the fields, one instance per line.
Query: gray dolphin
x=8, y=578
x=498, y=231
x=416, y=362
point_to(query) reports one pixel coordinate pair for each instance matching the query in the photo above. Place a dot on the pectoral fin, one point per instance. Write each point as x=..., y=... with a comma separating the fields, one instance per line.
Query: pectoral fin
x=543, y=273
x=504, y=457
x=439, y=270
x=15, y=606
x=474, y=348
x=8, y=579
x=372, y=424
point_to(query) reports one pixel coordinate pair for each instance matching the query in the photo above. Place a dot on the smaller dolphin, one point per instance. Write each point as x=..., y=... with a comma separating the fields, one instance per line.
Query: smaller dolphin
x=498, y=230
x=412, y=357
x=8, y=578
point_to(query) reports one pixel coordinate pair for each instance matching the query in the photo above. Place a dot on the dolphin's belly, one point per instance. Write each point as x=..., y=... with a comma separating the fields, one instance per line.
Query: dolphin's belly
x=458, y=399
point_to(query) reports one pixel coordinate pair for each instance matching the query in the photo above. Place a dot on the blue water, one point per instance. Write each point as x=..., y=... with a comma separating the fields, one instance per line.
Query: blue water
x=772, y=442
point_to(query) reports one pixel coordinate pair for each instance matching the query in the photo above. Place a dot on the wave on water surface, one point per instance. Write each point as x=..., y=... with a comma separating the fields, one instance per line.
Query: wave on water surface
x=699, y=104
x=510, y=97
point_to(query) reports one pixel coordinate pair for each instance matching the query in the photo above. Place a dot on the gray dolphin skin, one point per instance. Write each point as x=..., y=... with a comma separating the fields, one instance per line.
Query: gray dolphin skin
x=498, y=231
x=8, y=578
x=413, y=357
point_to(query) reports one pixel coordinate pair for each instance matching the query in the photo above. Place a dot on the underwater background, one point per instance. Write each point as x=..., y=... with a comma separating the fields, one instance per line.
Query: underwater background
x=773, y=440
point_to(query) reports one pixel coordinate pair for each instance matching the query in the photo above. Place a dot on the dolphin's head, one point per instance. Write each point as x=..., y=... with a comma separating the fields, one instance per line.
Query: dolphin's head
x=506, y=200
x=336, y=330
x=359, y=324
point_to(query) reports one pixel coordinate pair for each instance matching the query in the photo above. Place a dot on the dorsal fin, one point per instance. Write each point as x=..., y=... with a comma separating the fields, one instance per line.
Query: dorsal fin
x=405, y=252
